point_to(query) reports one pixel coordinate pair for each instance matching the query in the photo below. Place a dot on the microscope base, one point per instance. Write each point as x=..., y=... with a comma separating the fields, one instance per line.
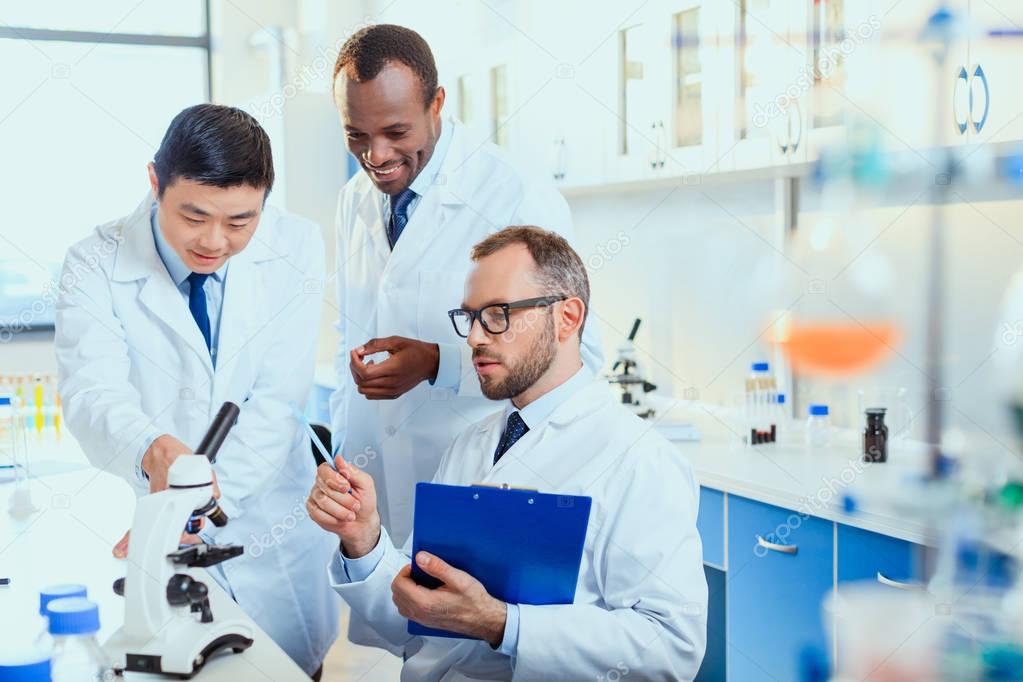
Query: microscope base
x=169, y=655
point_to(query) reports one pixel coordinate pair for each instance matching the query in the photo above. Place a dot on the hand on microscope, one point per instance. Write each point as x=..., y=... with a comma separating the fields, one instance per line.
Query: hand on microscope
x=344, y=502
x=158, y=459
x=120, y=550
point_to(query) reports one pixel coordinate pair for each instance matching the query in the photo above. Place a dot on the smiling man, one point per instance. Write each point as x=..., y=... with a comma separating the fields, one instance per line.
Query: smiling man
x=405, y=225
x=204, y=295
x=641, y=596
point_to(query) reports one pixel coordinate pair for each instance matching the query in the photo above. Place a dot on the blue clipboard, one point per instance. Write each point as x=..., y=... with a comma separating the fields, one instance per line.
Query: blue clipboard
x=524, y=546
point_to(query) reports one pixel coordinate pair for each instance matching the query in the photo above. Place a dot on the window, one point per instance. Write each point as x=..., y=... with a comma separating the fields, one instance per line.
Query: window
x=89, y=90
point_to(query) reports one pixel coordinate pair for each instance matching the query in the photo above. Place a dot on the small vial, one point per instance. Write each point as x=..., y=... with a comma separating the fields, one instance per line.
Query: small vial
x=875, y=436
x=818, y=427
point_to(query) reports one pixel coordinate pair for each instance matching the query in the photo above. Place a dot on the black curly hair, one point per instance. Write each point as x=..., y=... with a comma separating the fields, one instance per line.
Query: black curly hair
x=366, y=52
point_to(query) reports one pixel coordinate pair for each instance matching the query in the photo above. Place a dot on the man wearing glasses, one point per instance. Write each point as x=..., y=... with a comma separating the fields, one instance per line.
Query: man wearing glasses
x=405, y=224
x=640, y=602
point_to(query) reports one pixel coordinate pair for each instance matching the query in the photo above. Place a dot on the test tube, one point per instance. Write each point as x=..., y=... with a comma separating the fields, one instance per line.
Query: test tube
x=38, y=399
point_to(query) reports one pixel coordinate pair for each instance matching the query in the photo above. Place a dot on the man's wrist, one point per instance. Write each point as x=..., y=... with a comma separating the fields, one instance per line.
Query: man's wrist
x=357, y=550
x=434, y=351
x=493, y=622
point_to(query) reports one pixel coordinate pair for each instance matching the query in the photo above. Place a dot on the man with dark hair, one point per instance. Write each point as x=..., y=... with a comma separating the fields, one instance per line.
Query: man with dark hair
x=204, y=295
x=641, y=597
x=404, y=230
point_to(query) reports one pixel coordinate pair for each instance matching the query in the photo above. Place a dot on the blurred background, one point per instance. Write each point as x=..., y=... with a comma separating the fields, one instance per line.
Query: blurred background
x=698, y=145
x=833, y=187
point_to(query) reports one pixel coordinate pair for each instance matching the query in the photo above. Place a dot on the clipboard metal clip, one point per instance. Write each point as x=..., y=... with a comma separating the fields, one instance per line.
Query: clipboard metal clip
x=505, y=486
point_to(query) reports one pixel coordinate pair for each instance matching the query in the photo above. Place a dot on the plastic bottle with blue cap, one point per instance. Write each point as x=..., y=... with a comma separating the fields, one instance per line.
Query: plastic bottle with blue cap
x=77, y=656
x=50, y=594
x=818, y=427
x=781, y=418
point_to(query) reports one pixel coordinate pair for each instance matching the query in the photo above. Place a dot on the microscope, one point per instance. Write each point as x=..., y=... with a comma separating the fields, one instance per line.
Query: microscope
x=169, y=627
x=626, y=375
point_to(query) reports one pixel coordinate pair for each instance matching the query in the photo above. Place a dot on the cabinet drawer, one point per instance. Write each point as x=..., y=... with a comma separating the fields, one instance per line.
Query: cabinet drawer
x=711, y=523
x=780, y=568
x=864, y=555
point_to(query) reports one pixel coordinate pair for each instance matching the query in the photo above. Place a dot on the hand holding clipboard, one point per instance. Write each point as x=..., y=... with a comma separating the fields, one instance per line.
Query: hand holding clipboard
x=523, y=546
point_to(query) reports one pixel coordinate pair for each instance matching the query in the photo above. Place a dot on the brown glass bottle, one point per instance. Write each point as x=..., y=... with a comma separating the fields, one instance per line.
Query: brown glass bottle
x=875, y=436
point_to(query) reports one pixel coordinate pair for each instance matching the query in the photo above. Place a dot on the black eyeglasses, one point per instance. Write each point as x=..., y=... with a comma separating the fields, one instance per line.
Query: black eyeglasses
x=495, y=317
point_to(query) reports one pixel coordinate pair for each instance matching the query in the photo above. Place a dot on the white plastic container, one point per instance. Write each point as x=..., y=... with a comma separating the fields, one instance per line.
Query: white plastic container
x=77, y=656
x=818, y=427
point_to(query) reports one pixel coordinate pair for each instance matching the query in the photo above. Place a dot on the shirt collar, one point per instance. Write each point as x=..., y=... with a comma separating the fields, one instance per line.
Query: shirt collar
x=421, y=185
x=540, y=409
x=176, y=267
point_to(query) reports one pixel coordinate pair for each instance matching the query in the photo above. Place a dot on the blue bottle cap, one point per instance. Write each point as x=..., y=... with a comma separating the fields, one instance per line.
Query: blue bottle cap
x=33, y=666
x=818, y=410
x=48, y=594
x=5, y=400
x=781, y=398
x=760, y=367
x=73, y=616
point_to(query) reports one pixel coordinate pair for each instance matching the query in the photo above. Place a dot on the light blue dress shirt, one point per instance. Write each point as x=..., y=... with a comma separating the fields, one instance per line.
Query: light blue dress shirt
x=214, y=290
x=449, y=363
x=534, y=415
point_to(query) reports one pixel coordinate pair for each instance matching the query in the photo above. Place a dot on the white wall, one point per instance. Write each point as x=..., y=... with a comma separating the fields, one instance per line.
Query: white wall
x=686, y=258
x=682, y=259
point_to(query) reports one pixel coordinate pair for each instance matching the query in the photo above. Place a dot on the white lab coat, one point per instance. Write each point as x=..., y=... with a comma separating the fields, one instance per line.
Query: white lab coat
x=408, y=292
x=133, y=364
x=640, y=603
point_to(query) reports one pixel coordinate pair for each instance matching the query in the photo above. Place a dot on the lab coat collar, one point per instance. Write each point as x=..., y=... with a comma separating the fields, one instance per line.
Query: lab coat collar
x=591, y=395
x=138, y=257
x=422, y=182
x=450, y=180
x=457, y=185
x=529, y=452
x=536, y=412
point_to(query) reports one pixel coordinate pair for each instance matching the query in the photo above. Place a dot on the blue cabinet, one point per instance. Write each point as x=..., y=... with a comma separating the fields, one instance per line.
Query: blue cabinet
x=863, y=555
x=711, y=523
x=714, y=667
x=780, y=568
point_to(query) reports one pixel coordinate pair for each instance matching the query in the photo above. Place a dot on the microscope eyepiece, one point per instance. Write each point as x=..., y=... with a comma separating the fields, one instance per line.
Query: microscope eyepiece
x=217, y=433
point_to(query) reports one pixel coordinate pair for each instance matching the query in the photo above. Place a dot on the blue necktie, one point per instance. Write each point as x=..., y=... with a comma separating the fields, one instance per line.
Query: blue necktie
x=399, y=215
x=197, y=304
x=515, y=429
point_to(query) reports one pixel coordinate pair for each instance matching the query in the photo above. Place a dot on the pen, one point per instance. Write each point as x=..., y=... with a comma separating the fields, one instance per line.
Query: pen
x=312, y=434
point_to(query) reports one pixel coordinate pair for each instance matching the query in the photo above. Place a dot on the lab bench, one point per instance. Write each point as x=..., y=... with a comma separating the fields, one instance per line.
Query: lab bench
x=777, y=539
x=81, y=513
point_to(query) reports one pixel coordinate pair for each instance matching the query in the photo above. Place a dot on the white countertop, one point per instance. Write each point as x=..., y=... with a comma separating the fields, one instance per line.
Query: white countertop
x=788, y=475
x=81, y=513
